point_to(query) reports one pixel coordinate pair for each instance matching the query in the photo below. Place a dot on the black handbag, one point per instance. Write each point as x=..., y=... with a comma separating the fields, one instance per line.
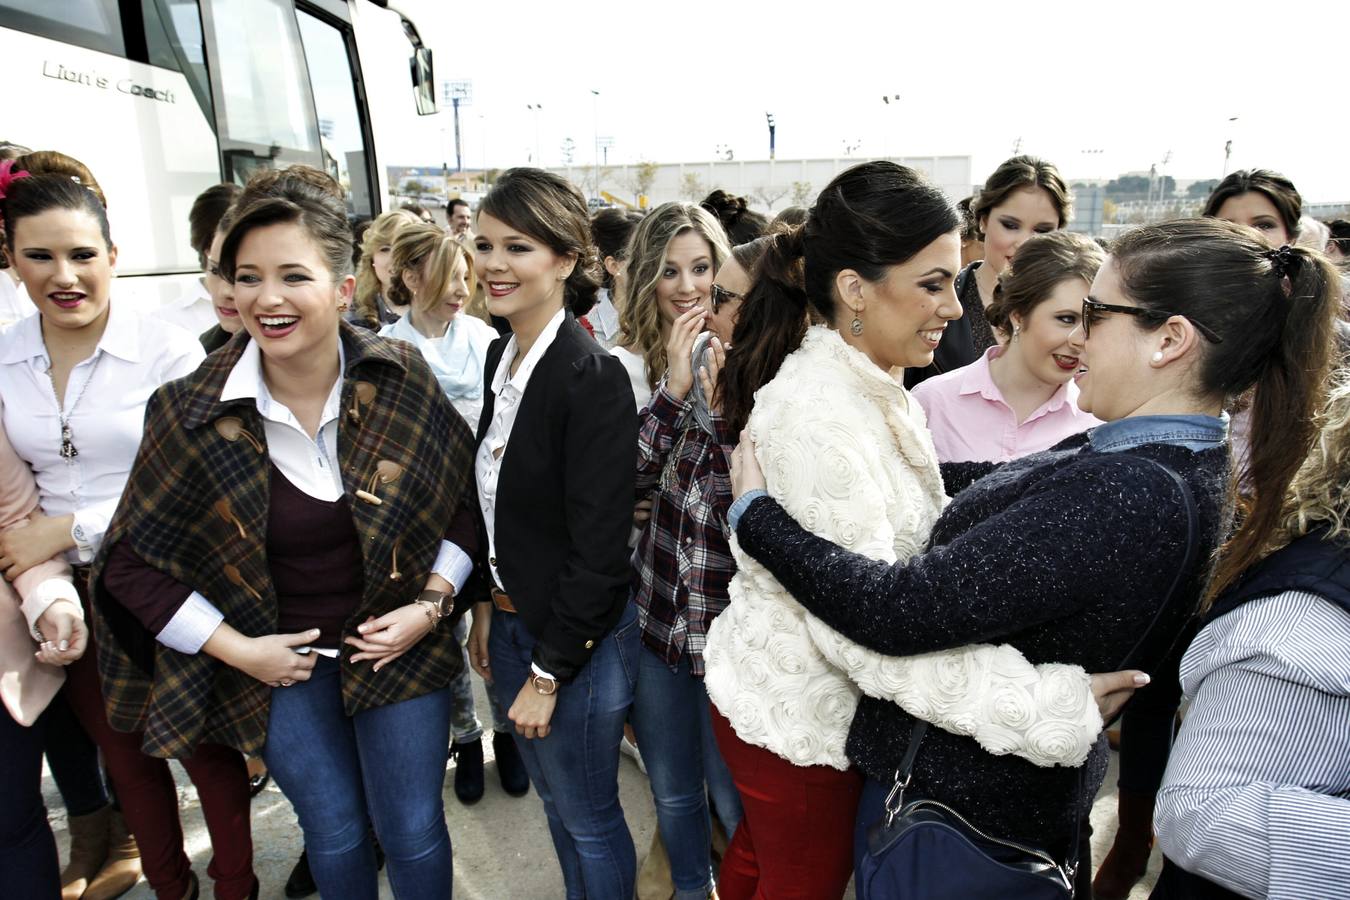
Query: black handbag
x=925, y=850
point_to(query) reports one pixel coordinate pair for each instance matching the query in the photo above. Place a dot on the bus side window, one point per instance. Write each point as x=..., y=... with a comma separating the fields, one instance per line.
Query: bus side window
x=341, y=136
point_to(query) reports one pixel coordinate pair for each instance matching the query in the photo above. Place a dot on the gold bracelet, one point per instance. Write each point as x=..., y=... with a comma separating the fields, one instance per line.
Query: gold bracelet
x=430, y=609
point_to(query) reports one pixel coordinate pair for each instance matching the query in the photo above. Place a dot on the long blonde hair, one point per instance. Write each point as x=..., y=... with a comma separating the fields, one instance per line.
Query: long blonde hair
x=639, y=315
x=1319, y=495
x=381, y=233
x=432, y=252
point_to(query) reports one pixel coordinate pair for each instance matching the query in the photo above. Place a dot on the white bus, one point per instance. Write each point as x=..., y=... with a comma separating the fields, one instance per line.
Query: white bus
x=164, y=98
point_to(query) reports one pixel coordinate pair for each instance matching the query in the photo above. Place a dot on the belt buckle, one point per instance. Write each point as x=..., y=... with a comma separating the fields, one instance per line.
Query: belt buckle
x=502, y=600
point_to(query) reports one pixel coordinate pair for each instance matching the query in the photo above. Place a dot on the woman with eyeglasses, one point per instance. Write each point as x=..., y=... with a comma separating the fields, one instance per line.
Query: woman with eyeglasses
x=1071, y=555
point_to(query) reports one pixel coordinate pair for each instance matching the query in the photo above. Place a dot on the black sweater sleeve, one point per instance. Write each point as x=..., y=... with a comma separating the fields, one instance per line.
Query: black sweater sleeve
x=957, y=476
x=1095, y=528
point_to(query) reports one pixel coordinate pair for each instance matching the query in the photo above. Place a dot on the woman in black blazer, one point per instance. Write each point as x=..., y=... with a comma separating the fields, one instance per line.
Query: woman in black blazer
x=557, y=451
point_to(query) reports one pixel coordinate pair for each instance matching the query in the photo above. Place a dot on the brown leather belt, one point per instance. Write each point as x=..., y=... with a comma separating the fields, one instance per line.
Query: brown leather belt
x=502, y=600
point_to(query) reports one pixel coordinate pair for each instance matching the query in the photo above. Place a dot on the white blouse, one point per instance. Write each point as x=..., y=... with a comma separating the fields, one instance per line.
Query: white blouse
x=845, y=450
x=105, y=402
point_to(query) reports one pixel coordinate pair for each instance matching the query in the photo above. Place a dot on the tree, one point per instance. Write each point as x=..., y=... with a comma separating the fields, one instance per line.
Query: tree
x=640, y=179
x=1128, y=186
x=414, y=188
x=769, y=195
x=1199, y=190
x=692, y=187
x=1109, y=210
x=801, y=193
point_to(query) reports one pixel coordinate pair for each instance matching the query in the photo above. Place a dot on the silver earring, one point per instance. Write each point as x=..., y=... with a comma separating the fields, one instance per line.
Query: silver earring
x=1157, y=357
x=1017, y=330
x=856, y=327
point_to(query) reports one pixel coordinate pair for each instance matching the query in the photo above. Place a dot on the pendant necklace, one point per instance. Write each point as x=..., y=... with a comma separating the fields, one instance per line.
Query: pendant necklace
x=68, y=450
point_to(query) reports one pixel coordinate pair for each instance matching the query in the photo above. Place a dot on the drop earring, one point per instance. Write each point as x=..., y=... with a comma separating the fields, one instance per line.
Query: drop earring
x=1017, y=332
x=856, y=327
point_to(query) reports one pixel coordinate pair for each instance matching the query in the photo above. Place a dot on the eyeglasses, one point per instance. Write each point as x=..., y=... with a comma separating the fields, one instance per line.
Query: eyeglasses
x=722, y=296
x=1093, y=311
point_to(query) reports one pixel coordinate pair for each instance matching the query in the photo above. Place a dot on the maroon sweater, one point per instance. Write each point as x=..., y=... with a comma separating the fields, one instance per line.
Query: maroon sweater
x=314, y=553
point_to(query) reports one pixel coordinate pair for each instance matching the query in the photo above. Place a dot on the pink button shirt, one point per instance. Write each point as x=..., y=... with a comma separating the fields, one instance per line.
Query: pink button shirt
x=971, y=422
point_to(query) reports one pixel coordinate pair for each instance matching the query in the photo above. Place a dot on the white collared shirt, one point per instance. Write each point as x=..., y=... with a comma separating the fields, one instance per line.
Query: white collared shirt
x=193, y=309
x=311, y=464
x=509, y=390
x=105, y=401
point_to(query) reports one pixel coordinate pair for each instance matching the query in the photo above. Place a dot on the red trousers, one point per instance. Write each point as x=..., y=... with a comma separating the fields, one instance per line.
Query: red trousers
x=795, y=840
x=149, y=799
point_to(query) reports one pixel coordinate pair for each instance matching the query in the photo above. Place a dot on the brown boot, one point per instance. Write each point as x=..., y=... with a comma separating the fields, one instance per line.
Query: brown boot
x=123, y=868
x=88, y=851
x=1128, y=860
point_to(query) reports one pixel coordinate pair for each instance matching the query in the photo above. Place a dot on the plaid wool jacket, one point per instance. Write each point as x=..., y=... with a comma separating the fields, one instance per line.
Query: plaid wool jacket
x=196, y=505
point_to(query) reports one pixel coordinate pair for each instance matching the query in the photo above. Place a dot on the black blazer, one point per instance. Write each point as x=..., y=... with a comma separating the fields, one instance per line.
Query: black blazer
x=565, y=497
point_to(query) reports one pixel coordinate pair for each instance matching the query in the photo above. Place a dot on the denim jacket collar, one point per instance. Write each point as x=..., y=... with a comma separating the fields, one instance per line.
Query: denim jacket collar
x=1195, y=432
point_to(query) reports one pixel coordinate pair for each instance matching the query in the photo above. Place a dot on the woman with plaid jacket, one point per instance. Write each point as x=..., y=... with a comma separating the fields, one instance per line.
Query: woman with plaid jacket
x=292, y=535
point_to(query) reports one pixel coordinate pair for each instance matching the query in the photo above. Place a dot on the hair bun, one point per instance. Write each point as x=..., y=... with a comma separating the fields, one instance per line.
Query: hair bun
x=54, y=162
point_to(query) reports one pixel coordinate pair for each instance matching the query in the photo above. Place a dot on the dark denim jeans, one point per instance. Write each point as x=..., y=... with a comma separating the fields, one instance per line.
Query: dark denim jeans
x=385, y=765
x=27, y=848
x=673, y=721
x=575, y=770
x=73, y=759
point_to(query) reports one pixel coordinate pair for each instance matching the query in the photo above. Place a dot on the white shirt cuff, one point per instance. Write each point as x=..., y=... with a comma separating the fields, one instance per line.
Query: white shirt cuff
x=87, y=531
x=44, y=595
x=454, y=565
x=192, y=626
x=540, y=672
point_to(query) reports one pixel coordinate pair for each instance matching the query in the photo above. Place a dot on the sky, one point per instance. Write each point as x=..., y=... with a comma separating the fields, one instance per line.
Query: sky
x=1099, y=89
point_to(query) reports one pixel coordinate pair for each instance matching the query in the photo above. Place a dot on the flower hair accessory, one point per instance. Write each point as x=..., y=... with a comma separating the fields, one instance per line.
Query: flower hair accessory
x=8, y=176
x=1280, y=262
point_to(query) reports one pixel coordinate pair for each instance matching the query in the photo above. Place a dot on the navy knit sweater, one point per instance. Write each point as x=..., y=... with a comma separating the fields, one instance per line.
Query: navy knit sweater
x=1066, y=555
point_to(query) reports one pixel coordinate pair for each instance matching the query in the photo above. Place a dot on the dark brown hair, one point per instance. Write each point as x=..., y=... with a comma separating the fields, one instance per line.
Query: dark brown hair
x=1274, y=311
x=749, y=254
x=869, y=218
x=1039, y=266
x=1280, y=191
x=39, y=193
x=206, y=214
x=612, y=229
x=551, y=210
x=970, y=228
x=1017, y=174
x=300, y=195
x=740, y=222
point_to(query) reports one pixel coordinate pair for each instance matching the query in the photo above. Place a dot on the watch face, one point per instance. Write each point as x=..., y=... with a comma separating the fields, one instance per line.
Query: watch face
x=445, y=606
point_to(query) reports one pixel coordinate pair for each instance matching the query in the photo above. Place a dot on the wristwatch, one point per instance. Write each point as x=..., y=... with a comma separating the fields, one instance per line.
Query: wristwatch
x=544, y=684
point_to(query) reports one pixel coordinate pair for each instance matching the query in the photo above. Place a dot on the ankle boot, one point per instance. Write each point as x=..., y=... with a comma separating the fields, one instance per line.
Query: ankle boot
x=88, y=851
x=122, y=869
x=1128, y=860
x=469, y=771
x=510, y=767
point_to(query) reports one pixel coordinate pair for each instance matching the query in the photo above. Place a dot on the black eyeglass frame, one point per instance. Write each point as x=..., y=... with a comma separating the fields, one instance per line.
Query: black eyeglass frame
x=719, y=295
x=1143, y=312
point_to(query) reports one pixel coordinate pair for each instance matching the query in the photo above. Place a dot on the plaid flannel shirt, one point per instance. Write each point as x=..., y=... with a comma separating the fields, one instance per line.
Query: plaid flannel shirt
x=683, y=561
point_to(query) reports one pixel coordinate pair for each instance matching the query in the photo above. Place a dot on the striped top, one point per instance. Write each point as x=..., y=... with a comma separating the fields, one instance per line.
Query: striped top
x=1257, y=792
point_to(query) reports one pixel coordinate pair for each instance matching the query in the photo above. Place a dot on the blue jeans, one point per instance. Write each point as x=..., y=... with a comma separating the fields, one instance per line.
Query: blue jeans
x=385, y=765
x=575, y=770
x=673, y=721
x=464, y=725
x=27, y=848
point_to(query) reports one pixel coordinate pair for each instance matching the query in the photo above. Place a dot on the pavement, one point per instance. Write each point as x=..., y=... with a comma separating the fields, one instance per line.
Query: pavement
x=501, y=844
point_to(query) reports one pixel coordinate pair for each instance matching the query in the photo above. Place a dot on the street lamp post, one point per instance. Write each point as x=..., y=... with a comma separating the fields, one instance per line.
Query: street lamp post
x=595, y=165
x=773, y=130
x=1228, y=149
x=457, y=94
x=538, y=153
x=888, y=99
